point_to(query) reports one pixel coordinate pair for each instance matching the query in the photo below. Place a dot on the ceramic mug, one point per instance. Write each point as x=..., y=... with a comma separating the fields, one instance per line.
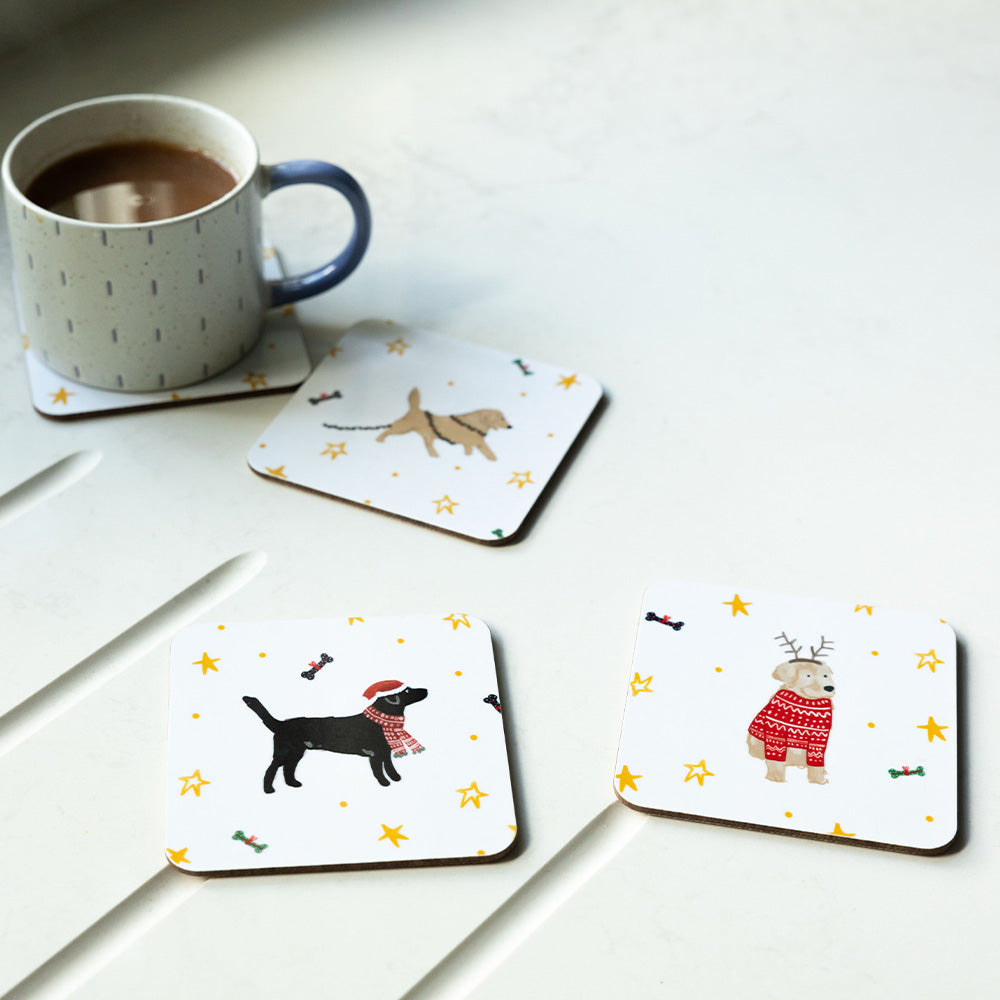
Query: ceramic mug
x=156, y=305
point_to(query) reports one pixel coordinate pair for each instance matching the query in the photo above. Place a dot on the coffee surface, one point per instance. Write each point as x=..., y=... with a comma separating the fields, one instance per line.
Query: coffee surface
x=131, y=182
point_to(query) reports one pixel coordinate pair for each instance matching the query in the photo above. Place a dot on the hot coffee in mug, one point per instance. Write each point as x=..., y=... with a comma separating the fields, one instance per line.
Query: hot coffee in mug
x=136, y=235
x=131, y=182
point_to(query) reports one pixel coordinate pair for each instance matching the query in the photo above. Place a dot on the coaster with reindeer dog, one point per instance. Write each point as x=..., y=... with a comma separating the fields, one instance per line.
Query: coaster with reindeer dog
x=454, y=435
x=792, y=715
x=347, y=742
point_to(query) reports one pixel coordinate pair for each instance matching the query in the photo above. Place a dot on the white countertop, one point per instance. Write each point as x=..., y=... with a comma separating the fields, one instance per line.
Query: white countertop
x=770, y=231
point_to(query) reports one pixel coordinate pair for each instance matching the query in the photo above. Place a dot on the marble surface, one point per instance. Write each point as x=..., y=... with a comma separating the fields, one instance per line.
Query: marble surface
x=769, y=230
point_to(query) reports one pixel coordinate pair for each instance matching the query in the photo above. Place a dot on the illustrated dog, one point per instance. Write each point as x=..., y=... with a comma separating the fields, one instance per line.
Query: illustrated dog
x=466, y=429
x=794, y=726
x=367, y=734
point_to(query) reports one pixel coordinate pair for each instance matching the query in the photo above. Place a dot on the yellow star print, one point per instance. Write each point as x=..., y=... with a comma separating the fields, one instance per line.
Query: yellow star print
x=627, y=780
x=933, y=729
x=567, y=380
x=445, y=504
x=392, y=834
x=278, y=472
x=738, y=605
x=863, y=607
x=471, y=794
x=456, y=620
x=206, y=663
x=929, y=659
x=333, y=450
x=522, y=479
x=699, y=771
x=62, y=396
x=351, y=621
x=397, y=346
x=179, y=857
x=256, y=380
x=838, y=831
x=193, y=783
x=640, y=684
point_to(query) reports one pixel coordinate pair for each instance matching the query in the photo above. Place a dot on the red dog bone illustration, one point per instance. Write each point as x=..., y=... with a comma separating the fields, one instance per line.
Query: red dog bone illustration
x=652, y=616
x=315, y=668
x=323, y=396
x=250, y=841
x=492, y=699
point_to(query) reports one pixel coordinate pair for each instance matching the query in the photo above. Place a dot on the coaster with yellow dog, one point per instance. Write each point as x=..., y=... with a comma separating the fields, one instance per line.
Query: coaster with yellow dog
x=793, y=715
x=450, y=434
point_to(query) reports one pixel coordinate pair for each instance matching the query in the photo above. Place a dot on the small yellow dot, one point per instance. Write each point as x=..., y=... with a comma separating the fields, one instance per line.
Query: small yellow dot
x=195, y=715
x=788, y=815
x=458, y=673
x=473, y=736
x=262, y=446
x=222, y=628
x=930, y=819
x=871, y=725
x=874, y=652
x=718, y=670
x=457, y=468
x=480, y=852
x=262, y=655
x=343, y=804
x=524, y=394
x=395, y=473
x=368, y=501
x=400, y=641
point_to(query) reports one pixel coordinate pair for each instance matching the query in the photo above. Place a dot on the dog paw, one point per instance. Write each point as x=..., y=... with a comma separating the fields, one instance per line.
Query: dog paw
x=399, y=753
x=771, y=777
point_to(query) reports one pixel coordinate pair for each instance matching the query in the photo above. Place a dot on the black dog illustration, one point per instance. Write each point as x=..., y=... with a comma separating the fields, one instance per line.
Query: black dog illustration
x=376, y=733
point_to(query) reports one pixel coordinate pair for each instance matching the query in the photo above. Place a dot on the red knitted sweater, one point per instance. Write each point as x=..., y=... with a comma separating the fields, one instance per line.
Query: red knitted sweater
x=789, y=720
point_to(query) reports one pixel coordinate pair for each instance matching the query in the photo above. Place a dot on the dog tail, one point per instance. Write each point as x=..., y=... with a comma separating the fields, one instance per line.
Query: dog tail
x=265, y=716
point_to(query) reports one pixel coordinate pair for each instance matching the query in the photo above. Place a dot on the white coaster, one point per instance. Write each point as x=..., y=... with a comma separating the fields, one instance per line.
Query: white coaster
x=793, y=715
x=336, y=743
x=450, y=434
x=278, y=361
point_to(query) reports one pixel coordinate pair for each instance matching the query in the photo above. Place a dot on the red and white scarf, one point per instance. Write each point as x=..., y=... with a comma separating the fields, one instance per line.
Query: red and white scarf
x=399, y=740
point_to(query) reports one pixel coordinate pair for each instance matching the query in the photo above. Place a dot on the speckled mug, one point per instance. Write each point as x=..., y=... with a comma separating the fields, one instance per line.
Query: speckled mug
x=155, y=305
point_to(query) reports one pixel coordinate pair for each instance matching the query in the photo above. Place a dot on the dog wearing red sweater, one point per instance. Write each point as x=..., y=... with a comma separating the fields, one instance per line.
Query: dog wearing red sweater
x=794, y=726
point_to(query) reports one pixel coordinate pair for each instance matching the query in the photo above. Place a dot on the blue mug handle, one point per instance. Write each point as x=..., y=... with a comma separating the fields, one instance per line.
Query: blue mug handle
x=333, y=272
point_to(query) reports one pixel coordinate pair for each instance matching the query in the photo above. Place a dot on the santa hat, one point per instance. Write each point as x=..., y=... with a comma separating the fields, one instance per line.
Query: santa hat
x=380, y=688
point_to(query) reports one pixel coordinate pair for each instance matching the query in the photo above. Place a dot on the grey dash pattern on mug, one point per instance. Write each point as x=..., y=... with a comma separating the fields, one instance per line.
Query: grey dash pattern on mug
x=154, y=285
x=107, y=284
x=201, y=276
x=114, y=336
x=104, y=237
x=159, y=337
x=149, y=236
x=69, y=325
x=62, y=277
x=120, y=381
